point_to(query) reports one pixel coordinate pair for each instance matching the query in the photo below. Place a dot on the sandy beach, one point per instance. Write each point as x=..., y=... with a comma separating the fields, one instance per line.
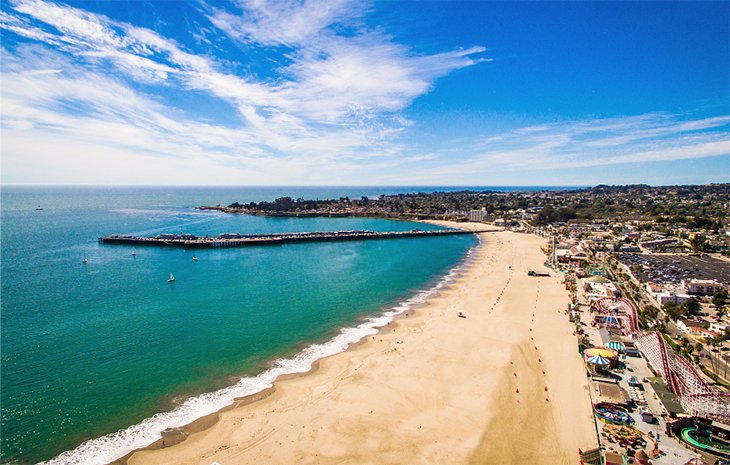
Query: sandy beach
x=505, y=385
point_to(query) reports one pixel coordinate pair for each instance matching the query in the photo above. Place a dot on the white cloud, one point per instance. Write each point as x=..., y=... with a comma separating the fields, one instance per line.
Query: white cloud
x=103, y=127
x=338, y=98
x=286, y=22
x=331, y=114
x=570, y=146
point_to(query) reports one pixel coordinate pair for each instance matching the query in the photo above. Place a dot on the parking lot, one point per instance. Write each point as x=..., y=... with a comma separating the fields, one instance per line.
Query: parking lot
x=673, y=268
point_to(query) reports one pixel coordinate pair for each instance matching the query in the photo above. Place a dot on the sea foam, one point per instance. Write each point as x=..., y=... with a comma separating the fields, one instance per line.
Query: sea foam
x=115, y=445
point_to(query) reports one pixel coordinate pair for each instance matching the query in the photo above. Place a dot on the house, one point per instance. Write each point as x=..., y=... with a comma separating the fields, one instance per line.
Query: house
x=709, y=334
x=718, y=327
x=702, y=286
x=654, y=288
x=671, y=297
x=692, y=327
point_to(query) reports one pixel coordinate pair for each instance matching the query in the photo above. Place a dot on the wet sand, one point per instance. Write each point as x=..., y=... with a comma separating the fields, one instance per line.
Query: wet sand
x=505, y=385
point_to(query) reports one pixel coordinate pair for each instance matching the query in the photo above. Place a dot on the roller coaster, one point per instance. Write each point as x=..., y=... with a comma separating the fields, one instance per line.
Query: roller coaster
x=695, y=396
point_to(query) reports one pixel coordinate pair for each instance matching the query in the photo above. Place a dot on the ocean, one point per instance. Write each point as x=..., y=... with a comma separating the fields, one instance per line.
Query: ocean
x=99, y=357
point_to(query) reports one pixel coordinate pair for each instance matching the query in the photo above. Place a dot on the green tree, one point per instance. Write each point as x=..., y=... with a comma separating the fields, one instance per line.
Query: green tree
x=720, y=299
x=673, y=311
x=692, y=306
x=699, y=243
x=651, y=312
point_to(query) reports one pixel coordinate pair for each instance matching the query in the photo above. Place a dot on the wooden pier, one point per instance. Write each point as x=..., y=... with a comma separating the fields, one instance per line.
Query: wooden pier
x=189, y=241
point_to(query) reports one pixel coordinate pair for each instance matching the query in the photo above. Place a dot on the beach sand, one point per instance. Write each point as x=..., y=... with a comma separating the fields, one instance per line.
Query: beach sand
x=505, y=385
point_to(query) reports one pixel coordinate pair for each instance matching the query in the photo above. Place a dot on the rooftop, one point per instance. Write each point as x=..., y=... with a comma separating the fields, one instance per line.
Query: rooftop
x=666, y=397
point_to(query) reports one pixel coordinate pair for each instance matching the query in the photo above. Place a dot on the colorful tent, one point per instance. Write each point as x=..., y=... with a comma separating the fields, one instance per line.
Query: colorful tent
x=598, y=360
x=615, y=345
x=601, y=352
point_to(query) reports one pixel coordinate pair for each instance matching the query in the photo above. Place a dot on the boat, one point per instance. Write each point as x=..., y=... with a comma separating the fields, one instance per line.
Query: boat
x=39, y=208
x=195, y=259
x=84, y=260
x=171, y=278
x=134, y=253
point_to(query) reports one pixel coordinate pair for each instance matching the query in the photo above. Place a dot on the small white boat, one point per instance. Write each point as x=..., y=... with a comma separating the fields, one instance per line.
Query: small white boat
x=195, y=259
x=84, y=260
x=134, y=253
x=171, y=278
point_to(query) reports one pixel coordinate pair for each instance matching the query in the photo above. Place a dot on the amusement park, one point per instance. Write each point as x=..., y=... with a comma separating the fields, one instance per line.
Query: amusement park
x=651, y=405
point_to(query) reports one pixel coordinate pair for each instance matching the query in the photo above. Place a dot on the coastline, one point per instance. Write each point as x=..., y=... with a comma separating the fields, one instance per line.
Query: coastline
x=428, y=387
x=114, y=448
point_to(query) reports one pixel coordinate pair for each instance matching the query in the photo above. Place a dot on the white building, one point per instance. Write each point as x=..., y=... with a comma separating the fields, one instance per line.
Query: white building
x=654, y=288
x=598, y=287
x=702, y=286
x=709, y=334
x=671, y=297
x=691, y=326
x=718, y=327
x=477, y=215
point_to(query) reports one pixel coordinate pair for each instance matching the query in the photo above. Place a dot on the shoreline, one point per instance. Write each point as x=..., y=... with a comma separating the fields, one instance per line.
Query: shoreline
x=379, y=322
x=178, y=435
x=330, y=396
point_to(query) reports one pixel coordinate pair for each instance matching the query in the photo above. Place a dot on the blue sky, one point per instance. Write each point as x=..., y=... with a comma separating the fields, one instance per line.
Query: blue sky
x=365, y=92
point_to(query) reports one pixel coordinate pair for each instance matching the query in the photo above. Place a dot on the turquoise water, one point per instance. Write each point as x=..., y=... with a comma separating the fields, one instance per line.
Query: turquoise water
x=89, y=349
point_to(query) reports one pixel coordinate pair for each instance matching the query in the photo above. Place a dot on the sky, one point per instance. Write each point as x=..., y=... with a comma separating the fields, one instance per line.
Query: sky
x=356, y=92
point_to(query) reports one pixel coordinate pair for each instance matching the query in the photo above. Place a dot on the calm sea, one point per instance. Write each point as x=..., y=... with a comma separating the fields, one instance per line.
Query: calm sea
x=110, y=353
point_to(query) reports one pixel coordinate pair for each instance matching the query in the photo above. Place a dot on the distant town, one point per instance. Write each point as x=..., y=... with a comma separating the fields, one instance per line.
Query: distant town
x=617, y=218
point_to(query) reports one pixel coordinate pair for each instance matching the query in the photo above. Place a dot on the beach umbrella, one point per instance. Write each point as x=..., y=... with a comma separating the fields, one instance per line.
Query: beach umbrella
x=601, y=352
x=598, y=360
x=615, y=345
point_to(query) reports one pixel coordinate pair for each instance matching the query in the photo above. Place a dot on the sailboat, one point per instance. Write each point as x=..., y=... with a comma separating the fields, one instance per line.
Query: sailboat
x=171, y=278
